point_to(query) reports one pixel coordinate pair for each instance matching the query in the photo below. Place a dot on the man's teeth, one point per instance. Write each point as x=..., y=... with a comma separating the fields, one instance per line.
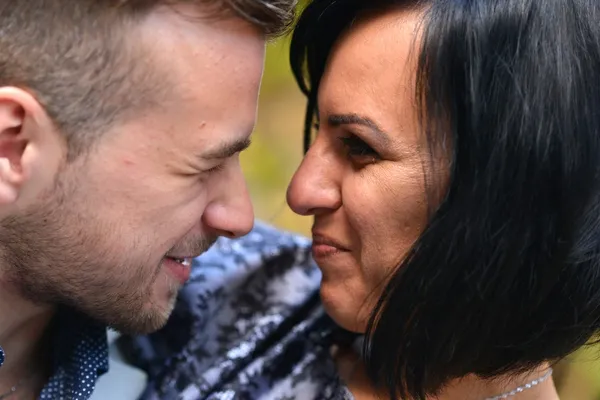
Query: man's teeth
x=184, y=261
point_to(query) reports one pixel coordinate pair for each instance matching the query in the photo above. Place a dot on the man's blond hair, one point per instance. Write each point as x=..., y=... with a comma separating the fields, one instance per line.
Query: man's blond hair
x=78, y=57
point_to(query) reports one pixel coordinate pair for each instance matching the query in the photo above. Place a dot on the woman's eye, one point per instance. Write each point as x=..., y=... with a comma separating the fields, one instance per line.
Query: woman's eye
x=358, y=151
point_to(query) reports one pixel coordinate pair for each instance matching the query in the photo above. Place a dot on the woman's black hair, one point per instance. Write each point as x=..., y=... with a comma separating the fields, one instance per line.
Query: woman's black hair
x=506, y=275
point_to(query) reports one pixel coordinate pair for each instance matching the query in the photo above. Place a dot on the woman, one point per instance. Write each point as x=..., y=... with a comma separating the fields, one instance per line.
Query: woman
x=453, y=178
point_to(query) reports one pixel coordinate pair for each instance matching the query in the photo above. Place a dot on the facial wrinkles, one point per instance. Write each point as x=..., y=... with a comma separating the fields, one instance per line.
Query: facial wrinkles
x=383, y=207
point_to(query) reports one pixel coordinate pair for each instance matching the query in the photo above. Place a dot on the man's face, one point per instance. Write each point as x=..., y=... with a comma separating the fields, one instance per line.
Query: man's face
x=109, y=235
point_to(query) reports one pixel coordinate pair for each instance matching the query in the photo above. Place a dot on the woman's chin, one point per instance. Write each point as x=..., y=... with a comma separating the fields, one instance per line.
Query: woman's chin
x=343, y=307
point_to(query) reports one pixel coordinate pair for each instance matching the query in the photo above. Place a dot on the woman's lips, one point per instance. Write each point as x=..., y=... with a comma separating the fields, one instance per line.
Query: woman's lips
x=323, y=246
x=324, y=250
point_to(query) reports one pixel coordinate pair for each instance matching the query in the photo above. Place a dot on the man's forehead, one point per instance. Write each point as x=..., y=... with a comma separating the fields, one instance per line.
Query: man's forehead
x=177, y=27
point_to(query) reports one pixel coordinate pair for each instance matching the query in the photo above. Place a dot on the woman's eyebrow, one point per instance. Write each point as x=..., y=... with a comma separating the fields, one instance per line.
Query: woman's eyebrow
x=355, y=119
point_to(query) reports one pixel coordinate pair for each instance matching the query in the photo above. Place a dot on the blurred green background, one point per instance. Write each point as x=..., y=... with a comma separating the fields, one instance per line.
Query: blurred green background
x=275, y=153
x=276, y=148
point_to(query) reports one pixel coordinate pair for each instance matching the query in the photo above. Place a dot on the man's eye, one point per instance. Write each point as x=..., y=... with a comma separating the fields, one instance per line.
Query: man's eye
x=358, y=151
x=215, y=169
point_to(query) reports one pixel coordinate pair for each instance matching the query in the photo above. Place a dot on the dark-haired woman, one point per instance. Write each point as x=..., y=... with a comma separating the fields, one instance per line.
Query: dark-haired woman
x=454, y=180
x=453, y=173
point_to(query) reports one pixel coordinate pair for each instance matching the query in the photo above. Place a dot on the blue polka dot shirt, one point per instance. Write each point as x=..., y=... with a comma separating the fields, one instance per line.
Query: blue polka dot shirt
x=80, y=357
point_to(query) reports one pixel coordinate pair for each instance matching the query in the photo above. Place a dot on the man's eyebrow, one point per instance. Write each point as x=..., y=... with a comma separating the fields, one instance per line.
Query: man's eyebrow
x=228, y=149
x=336, y=120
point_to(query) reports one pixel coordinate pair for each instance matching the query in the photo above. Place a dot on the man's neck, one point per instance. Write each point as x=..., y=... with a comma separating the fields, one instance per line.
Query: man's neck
x=23, y=333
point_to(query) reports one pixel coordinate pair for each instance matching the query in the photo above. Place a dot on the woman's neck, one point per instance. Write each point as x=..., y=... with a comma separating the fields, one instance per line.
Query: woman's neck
x=476, y=388
x=354, y=375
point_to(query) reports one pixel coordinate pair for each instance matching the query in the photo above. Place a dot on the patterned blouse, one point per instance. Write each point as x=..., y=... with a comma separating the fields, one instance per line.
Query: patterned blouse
x=248, y=325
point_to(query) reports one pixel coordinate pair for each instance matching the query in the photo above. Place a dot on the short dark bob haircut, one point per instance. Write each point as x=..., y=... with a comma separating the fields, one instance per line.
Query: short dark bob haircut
x=506, y=275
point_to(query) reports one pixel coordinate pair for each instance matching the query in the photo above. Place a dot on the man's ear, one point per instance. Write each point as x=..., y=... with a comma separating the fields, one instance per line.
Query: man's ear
x=24, y=127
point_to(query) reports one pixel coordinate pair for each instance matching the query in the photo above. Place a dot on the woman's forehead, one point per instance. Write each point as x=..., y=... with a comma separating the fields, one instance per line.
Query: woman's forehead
x=372, y=69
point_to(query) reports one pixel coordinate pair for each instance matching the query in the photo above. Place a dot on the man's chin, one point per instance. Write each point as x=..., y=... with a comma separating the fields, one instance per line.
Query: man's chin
x=139, y=326
x=142, y=322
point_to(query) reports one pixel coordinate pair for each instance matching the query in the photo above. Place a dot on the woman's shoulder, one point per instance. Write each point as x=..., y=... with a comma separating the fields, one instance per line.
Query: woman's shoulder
x=248, y=325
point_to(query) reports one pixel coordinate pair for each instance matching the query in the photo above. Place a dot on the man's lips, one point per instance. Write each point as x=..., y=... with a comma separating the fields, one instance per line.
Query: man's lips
x=179, y=267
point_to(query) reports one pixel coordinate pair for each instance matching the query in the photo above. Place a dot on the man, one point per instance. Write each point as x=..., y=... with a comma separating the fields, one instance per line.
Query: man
x=121, y=122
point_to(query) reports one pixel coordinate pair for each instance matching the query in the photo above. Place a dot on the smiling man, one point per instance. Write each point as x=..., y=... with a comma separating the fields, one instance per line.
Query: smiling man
x=121, y=122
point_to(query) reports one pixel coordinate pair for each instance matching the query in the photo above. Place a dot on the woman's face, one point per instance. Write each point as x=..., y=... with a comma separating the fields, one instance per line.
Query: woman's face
x=363, y=178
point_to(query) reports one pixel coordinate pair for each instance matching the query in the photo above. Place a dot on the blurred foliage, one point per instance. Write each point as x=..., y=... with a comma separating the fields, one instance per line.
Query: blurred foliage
x=275, y=153
x=276, y=148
